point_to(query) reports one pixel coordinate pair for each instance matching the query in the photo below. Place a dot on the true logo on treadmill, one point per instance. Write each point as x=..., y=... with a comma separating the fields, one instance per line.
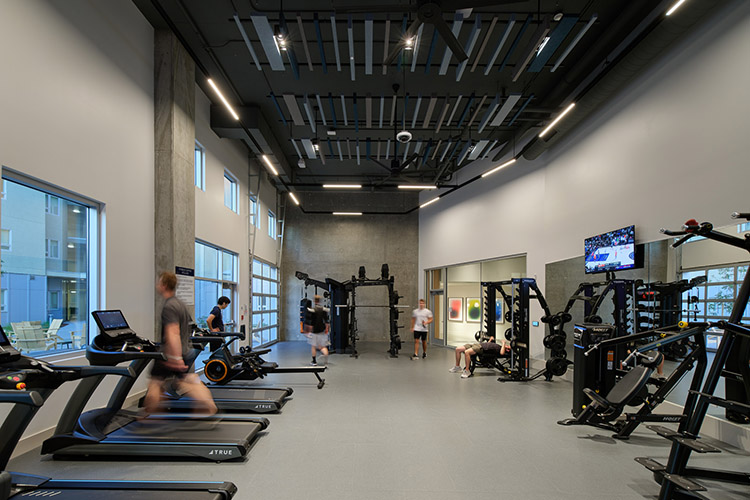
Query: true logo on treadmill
x=264, y=407
x=220, y=452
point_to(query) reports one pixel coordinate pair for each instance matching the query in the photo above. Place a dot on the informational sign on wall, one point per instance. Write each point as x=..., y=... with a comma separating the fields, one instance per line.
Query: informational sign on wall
x=185, y=285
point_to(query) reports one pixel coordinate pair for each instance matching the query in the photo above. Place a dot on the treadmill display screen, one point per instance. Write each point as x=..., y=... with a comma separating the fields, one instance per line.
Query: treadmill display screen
x=110, y=320
x=3, y=338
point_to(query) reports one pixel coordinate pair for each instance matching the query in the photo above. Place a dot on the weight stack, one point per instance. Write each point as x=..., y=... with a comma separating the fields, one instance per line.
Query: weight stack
x=595, y=371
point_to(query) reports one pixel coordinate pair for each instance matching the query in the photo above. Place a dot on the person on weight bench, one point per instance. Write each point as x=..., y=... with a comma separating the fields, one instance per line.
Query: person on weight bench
x=468, y=350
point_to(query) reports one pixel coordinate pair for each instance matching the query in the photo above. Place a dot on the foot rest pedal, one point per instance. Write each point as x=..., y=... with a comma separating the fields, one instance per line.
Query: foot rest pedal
x=650, y=464
x=665, y=432
x=696, y=445
x=684, y=483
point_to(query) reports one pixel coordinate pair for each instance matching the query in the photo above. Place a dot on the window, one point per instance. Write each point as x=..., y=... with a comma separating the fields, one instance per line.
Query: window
x=265, y=302
x=3, y=300
x=271, y=224
x=714, y=299
x=49, y=282
x=200, y=166
x=216, y=273
x=53, y=249
x=254, y=212
x=230, y=192
x=5, y=239
x=52, y=205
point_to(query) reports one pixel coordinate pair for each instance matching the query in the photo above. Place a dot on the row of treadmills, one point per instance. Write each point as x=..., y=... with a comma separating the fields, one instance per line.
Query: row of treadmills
x=115, y=431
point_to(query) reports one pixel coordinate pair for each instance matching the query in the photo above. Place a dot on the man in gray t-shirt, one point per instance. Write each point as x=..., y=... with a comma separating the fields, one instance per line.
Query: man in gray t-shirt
x=175, y=343
x=420, y=318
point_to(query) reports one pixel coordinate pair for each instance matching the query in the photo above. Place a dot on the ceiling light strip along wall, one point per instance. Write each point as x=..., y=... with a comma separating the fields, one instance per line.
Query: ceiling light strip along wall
x=249, y=45
x=301, y=29
x=385, y=44
x=575, y=41
x=469, y=47
x=505, y=110
x=458, y=20
x=417, y=186
x=335, y=37
x=556, y=120
x=483, y=46
x=500, y=43
x=267, y=40
x=342, y=186
x=291, y=103
x=500, y=167
x=346, y=213
x=294, y=198
x=270, y=165
x=429, y=202
x=415, y=50
x=320, y=109
x=531, y=48
x=674, y=7
x=368, y=44
x=350, y=34
x=223, y=100
x=319, y=38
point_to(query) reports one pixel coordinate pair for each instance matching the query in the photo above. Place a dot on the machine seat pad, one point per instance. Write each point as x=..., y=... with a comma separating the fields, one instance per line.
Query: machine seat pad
x=629, y=385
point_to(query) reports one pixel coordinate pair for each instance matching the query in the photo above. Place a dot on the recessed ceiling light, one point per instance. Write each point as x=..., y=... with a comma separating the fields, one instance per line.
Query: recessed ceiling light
x=347, y=213
x=342, y=186
x=416, y=186
x=554, y=122
x=490, y=172
x=223, y=100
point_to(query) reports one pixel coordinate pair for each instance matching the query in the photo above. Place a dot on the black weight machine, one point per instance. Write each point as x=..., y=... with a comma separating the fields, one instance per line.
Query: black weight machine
x=343, y=297
x=597, y=373
x=516, y=300
x=731, y=362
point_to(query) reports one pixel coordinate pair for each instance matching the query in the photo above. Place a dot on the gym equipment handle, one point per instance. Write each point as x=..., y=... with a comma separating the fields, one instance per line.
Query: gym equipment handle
x=741, y=215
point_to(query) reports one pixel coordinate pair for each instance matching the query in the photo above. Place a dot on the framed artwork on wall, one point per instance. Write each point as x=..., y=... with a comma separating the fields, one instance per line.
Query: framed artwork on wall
x=498, y=310
x=456, y=309
x=473, y=310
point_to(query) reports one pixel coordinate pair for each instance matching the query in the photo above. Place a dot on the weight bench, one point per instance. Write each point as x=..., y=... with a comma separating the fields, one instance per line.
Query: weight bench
x=604, y=410
x=489, y=358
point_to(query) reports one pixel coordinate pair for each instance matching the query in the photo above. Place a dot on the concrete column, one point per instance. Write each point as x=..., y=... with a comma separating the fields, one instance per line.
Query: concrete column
x=174, y=144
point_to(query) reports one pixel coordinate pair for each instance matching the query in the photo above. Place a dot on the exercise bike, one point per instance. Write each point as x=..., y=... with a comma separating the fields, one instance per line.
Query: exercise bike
x=223, y=367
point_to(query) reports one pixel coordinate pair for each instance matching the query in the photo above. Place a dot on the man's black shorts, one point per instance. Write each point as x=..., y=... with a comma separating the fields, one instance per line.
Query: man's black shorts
x=420, y=335
x=161, y=371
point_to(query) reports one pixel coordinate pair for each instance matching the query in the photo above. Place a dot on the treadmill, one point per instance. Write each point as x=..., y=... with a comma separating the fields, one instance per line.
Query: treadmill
x=243, y=398
x=27, y=383
x=112, y=431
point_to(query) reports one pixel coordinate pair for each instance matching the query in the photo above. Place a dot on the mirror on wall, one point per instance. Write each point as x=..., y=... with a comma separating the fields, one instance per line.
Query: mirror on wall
x=713, y=271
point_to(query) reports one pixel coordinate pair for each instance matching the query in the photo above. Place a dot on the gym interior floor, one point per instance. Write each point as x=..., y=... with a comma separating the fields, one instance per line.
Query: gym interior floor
x=401, y=429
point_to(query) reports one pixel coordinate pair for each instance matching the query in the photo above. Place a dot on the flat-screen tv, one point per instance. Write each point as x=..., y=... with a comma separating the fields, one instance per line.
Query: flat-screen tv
x=612, y=251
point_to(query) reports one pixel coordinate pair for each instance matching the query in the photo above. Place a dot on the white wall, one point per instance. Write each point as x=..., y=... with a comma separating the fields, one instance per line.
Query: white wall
x=77, y=112
x=671, y=147
x=217, y=224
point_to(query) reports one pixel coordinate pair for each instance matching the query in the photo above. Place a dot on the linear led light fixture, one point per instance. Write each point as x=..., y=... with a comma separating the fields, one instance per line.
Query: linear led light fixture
x=416, y=186
x=554, y=122
x=675, y=7
x=347, y=213
x=342, y=186
x=490, y=172
x=429, y=202
x=223, y=99
x=294, y=198
x=270, y=165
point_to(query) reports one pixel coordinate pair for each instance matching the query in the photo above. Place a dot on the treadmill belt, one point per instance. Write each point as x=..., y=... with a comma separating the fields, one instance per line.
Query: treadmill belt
x=225, y=392
x=144, y=494
x=184, y=431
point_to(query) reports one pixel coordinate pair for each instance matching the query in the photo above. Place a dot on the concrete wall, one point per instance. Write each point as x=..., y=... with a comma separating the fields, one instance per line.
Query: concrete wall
x=649, y=158
x=335, y=246
x=78, y=112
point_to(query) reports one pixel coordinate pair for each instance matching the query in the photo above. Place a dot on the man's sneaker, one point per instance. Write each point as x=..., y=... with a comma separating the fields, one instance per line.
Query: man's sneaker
x=455, y=369
x=465, y=374
x=424, y=355
x=414, y=356
x=313, y=363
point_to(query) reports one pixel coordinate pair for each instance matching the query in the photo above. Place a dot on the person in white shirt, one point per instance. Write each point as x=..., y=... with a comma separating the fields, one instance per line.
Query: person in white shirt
x=420, y=318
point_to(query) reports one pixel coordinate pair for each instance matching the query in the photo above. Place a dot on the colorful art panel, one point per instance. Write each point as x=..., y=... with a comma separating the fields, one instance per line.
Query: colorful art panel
x=456, y=309
x=473, y=310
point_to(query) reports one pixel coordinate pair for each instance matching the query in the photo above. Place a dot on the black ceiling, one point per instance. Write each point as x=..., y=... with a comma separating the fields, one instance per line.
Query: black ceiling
x=452, y=109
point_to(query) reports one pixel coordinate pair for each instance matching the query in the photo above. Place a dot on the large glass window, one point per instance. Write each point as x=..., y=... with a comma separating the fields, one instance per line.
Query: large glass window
x=200, y=166
x=215, y=275
x=254, y=212
x=271, y=224
x=265, y=302
x=713, y=300
x=230, y=192
x=47, y=288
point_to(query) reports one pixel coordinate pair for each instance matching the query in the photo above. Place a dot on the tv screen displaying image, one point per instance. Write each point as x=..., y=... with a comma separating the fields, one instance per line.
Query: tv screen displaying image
x=612, y=251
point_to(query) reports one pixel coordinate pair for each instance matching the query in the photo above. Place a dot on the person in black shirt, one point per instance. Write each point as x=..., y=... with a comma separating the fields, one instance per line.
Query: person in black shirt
x=215, y=321
x=318, y=331
x=175, y=344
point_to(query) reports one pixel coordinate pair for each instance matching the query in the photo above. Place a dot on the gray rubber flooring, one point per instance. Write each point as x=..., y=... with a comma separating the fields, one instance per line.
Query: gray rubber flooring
x=386, y=428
